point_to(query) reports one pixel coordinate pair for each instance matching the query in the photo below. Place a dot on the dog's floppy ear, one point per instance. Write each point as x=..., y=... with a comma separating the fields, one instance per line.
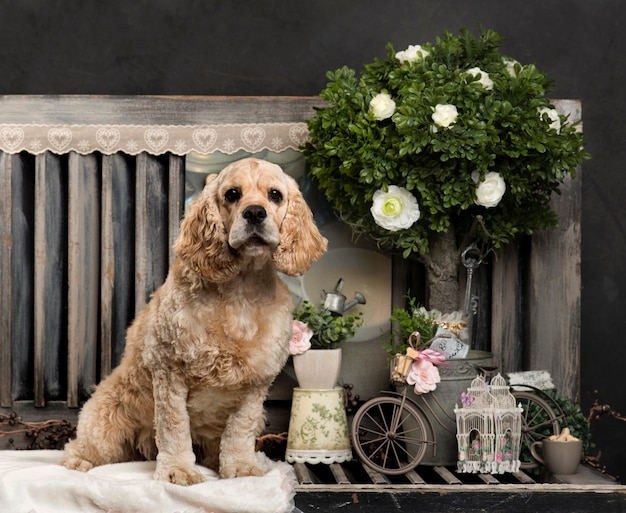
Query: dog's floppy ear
x=202, y=244
x=301, y=243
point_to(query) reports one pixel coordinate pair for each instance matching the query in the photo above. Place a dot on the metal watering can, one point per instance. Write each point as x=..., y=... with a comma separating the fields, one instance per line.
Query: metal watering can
x=335, y=301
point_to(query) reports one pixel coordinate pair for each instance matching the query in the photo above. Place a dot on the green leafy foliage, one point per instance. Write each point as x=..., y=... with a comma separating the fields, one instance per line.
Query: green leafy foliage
x=328, y=329
x=352, y=154
x=404, y=322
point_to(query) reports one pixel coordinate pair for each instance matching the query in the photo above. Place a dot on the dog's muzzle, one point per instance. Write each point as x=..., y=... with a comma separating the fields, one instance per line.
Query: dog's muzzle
x=255, y=214
x=254, y=229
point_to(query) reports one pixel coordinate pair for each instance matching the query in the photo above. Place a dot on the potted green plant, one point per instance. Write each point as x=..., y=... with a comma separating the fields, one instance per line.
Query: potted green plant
x=440, y=146
x=316, y=335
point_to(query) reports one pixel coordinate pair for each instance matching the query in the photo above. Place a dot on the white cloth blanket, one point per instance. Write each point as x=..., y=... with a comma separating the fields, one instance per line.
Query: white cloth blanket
x=34, y=482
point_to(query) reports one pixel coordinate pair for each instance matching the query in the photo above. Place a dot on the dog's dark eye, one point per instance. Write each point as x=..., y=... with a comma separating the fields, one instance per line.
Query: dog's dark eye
x=275, y=196
x=232, y=195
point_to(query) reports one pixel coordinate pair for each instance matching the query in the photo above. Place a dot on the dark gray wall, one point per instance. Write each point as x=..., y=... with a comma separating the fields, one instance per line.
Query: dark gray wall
x=284, y=47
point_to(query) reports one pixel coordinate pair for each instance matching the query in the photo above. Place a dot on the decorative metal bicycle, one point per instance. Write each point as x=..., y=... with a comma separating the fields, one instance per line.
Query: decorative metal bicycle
x=391, y=433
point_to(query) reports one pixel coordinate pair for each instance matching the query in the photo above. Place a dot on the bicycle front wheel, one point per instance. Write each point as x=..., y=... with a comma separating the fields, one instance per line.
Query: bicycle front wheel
x=389, y=435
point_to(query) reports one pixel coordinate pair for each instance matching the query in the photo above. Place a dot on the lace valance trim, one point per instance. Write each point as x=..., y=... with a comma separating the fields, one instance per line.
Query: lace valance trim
x=153, y=139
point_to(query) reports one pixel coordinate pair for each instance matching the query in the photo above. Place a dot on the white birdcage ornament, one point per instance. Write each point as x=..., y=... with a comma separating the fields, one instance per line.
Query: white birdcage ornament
x=489, y=426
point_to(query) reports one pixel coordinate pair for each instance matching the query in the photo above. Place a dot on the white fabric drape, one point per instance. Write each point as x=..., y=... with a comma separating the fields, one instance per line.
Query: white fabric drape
x=34, y=482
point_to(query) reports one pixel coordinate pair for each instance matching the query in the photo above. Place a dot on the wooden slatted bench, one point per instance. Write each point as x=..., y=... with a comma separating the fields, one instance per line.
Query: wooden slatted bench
x=352, y=487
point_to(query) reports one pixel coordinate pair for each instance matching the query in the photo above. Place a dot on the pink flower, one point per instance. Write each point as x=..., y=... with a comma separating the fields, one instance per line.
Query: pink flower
x=300, y=338
x=424, y=375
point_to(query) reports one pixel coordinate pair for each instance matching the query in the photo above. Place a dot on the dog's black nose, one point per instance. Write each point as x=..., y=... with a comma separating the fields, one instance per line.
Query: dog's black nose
x=254, y=214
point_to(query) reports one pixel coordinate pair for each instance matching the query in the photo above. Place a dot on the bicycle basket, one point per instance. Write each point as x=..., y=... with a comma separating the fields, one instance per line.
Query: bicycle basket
x=399, y=368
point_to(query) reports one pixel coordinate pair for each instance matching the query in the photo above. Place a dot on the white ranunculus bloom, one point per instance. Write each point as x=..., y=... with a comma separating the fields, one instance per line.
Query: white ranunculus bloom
x=484, y=79
x=555, y=120
x=510, y=64
x=395, y=209
x=413, y=53
x=382, y=106
x=490, y=191
x=445, y=115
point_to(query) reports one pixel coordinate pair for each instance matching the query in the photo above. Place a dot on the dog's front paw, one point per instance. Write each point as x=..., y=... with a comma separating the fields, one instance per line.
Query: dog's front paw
x=184, y=476
x=240, y=470
x=75, y=463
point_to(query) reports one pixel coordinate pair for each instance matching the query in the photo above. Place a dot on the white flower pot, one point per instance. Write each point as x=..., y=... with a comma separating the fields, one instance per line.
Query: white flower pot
x=318, y=369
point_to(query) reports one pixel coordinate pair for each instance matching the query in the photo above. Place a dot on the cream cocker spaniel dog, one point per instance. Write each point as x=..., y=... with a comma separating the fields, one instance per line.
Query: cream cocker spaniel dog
x=201, y=356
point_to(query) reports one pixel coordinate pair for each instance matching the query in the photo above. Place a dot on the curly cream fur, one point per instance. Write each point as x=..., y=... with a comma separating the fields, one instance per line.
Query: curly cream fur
x=200, y=357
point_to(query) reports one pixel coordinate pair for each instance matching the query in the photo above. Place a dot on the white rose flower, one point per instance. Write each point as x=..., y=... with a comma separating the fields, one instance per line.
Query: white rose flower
x=555, y=120
x=395, y=209
x=413, y=53
x=490, y=191
x=382, y=106
x=484, y=79
x=510, y=64
x=445, y=115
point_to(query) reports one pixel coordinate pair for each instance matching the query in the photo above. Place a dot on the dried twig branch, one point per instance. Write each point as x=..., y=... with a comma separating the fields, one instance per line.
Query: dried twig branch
x=47, y=434
x=596, y=412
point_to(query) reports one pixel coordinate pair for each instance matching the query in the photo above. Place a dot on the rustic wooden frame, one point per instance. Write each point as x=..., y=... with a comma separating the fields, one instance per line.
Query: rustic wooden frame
x=534, y=286
x=540, y=328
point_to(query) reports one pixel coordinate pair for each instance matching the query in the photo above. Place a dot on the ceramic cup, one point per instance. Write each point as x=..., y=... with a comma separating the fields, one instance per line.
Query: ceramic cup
x=559, y=457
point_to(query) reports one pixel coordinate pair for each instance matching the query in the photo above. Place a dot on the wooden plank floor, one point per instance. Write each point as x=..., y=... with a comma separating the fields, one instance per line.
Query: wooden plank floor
x=351, y=487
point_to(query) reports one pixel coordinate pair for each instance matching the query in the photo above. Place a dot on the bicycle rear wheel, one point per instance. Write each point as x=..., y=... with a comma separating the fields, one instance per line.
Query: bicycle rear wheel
x=389, y=435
